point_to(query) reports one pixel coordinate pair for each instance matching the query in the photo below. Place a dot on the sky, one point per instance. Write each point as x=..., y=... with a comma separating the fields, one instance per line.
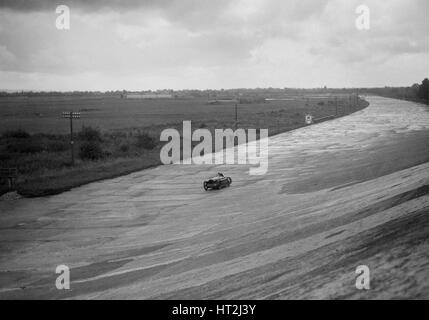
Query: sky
x=201, y=44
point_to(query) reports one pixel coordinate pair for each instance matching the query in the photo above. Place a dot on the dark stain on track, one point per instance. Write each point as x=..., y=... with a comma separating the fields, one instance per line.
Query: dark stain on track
x=363, y=164
x=300, y=276
x=48, y=290
x=334, y=234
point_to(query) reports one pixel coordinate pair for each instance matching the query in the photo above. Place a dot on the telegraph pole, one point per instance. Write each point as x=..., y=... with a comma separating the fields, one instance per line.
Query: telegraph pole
x=336, y=106
x=236, y=117
x=71, y=115
x=350, y=103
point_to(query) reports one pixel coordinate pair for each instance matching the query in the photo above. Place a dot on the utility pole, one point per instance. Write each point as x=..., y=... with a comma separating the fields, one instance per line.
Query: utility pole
x=336, y=106
x=71, y=115
x=236, y=117
x=350, y=103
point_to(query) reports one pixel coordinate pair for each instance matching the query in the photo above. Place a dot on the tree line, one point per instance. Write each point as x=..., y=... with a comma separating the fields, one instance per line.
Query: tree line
x=416, y=92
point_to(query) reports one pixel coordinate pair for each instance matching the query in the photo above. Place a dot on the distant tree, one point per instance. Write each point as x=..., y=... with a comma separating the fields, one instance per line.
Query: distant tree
x=89, y=134
x=412, y=92
x=424, y=89
x=90, y=150
x=415, y=89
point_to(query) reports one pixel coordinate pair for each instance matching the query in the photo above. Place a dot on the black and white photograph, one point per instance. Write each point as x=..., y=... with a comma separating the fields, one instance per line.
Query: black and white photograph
x=223, y=151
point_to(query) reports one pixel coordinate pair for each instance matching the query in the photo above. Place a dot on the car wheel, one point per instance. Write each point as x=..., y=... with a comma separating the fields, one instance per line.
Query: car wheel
x=229, y=181
x=205, y=186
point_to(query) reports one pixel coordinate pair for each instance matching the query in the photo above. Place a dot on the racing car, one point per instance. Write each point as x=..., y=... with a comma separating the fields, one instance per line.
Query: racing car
x=217, y=182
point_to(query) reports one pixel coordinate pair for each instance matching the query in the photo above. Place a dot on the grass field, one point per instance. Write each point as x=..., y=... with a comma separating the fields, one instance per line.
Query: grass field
x=127, y=132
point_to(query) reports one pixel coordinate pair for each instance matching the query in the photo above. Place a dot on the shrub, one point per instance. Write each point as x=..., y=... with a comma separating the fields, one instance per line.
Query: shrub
x=89, y=134
x=145, y=141
x=57, y=146
x=124, y=148
x=18, y=134
x=49, y=136
x=25, y=146
x=41, y=161
x=5, y=156
x=90, y=150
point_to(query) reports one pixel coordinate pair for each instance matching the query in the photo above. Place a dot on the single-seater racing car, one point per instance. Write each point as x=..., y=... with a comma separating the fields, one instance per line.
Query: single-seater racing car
x=217, y=182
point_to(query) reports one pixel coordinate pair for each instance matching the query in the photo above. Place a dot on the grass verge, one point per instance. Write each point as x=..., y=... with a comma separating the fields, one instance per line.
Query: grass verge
x=43, y=160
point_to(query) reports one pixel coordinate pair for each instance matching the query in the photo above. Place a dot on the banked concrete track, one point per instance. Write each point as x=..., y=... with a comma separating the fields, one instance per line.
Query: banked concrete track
x=343, y=193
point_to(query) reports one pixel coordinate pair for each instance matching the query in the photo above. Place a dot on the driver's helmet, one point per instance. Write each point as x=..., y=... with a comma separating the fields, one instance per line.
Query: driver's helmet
x=220, y=174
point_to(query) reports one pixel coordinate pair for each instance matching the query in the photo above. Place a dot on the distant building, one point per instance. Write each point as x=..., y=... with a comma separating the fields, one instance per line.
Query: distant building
x=222, y=101
x=147, y=96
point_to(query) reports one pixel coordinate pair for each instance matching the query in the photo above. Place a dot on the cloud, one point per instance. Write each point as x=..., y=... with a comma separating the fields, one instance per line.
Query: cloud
x=200, y=43
x=42, y=5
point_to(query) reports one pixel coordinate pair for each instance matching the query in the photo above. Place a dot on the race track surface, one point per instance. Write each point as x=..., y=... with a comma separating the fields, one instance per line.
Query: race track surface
x=339, y=194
